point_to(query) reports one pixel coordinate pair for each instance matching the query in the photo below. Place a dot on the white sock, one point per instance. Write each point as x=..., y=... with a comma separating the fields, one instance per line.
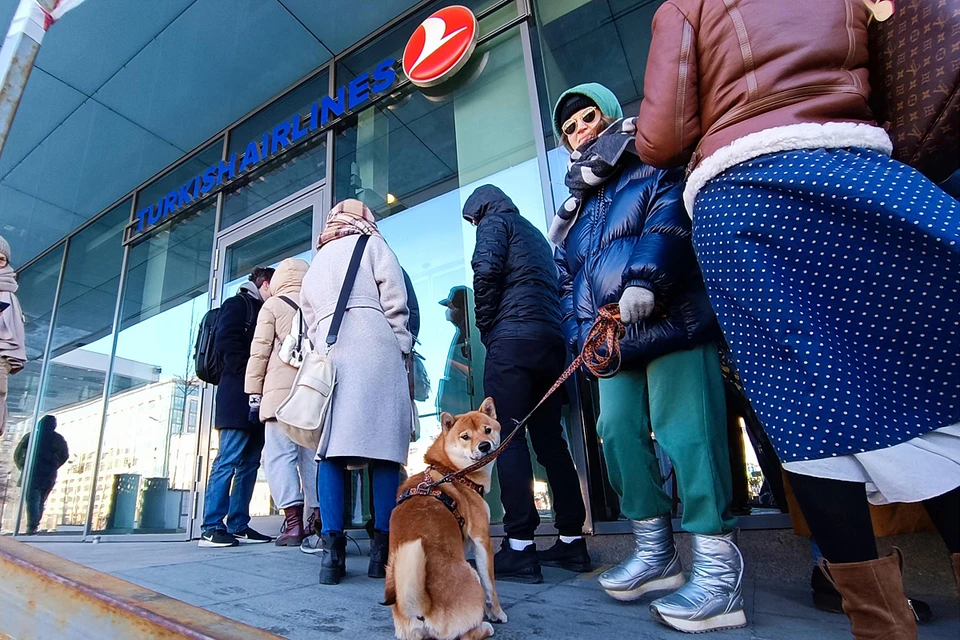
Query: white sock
x=519, y=545
x=569, y=539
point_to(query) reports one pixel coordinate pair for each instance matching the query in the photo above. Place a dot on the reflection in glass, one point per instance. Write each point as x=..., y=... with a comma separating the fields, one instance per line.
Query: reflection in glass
x=38, y=286
x=149, y=441
x=77, y=365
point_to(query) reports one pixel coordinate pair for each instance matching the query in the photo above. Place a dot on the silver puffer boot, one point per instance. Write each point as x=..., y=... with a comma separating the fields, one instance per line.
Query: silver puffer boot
x=712, y=599
x=654, y=565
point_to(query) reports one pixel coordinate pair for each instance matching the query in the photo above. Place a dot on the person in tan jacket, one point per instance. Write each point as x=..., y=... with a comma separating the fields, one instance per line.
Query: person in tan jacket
x=288, y=457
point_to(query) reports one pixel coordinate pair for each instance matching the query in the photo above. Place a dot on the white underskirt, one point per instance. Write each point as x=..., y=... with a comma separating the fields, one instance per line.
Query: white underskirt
x=924, y=467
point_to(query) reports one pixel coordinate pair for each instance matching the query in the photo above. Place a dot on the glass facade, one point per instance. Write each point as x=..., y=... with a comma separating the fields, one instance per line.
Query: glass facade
x=111, y=326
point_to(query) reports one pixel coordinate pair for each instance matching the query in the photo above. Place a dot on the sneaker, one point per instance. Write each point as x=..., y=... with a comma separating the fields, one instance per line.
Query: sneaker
x=571, y=556
x=217, y=538
x=251, y=536
x=517, y=566
x=311, y=545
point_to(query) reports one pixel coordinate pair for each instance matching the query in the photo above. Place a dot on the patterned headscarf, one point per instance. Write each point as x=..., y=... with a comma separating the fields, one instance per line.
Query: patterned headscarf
x=349, y=218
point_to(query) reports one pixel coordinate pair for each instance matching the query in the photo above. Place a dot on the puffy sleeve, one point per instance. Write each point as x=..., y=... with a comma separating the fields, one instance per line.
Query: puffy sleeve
x=489, y=257
x=668, y=128
x=260, y=350
x=569, y=323
x=664, y=257
x=393, y=291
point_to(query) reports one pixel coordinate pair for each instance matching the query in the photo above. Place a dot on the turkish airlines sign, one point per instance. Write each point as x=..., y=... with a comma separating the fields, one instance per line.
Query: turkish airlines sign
x=440, y=46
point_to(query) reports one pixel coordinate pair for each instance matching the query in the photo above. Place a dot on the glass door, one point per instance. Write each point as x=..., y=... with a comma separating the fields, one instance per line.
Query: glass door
x=287, y=230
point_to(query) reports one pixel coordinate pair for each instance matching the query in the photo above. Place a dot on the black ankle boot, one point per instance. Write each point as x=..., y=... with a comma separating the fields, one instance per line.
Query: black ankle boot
x=379, y=550
x=333, y=563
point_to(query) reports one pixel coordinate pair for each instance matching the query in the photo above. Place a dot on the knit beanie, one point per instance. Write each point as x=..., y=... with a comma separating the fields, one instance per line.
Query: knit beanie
x=5, y=248
x=595, y=94
x=573, y=103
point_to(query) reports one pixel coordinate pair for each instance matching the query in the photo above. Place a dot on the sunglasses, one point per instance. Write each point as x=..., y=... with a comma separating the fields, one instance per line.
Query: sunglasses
x=587, y=117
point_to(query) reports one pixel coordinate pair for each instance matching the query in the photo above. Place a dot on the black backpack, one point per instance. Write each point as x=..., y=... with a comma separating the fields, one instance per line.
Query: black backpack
x=206, y=360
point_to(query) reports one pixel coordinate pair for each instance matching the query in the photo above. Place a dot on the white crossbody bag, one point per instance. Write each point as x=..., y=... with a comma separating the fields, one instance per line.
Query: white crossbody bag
x=308, y=402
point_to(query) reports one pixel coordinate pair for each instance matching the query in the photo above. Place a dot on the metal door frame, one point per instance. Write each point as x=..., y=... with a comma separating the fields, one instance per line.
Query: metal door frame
x=315, y=196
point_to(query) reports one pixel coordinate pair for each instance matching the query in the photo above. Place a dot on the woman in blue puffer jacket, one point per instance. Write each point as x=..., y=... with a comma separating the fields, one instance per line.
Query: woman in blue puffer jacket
x=624, y=237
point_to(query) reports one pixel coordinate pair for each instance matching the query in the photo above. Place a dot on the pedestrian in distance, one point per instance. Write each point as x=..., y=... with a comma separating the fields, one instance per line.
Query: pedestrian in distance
x=50, y=454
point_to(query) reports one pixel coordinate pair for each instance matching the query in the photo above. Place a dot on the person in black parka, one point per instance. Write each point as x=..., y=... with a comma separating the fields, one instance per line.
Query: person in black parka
x=51, y=454
x=518, y=316
x=234, y=473
x=623, y=238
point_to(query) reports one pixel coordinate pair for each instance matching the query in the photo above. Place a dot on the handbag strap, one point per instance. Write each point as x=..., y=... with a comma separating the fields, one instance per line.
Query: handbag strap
x=345, y=291
x=290, y=302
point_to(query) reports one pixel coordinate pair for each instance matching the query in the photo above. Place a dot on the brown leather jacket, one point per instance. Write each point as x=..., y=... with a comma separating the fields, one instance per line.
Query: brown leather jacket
x=721, y=69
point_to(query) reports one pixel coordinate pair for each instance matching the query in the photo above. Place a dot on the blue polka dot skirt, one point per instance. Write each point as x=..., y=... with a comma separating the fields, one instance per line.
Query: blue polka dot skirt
x=836, y=277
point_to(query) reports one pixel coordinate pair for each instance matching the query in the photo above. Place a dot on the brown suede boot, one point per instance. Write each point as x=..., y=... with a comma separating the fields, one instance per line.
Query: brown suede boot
x=293, y=533
x=873, y=597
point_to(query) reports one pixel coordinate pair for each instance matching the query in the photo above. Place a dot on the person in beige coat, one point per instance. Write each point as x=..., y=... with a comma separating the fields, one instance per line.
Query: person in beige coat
x=13, y=355
x=288, y=453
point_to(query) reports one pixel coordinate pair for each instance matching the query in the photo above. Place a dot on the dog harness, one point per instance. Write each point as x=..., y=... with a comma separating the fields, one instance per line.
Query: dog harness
x=427, y=487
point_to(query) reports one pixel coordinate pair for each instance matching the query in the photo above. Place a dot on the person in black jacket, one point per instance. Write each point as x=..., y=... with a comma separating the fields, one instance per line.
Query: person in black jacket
x=241, y=433
x=518, y=316
x=623, y=238
x=51, y=454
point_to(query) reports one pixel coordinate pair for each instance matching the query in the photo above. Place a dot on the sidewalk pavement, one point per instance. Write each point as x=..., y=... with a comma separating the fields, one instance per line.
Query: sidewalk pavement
x=276, y=589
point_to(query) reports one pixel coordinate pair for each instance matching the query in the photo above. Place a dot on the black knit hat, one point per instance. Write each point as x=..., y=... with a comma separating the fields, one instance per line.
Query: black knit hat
x=572, y=104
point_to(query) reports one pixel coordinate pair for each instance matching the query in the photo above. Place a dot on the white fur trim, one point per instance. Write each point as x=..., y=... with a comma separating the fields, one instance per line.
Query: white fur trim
x=833, y=135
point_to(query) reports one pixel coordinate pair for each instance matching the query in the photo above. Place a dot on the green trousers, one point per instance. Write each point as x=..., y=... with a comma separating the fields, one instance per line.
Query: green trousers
x=680, y=398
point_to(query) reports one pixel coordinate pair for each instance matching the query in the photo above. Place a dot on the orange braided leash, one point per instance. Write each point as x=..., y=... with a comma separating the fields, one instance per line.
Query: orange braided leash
x=600, y=355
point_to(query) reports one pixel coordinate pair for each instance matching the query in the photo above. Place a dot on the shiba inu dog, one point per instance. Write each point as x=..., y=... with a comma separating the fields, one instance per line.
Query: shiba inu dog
x=432, y=589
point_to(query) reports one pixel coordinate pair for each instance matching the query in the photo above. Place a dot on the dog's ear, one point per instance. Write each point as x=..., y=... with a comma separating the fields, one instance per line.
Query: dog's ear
x=488, y=408
x=447, y=420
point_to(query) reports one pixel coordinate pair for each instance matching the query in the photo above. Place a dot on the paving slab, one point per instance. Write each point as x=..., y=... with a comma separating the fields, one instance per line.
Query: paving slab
x=276, y=589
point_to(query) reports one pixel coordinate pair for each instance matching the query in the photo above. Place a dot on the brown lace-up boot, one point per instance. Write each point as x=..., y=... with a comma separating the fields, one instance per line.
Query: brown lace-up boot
x=312, y=527
x=873, y=597
x=293, y=533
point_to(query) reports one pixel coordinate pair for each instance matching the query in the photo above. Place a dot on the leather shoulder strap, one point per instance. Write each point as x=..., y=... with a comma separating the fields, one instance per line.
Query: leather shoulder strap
x=348, y=281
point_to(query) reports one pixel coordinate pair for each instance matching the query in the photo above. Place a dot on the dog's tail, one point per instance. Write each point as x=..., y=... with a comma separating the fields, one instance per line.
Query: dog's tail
x=409, y=575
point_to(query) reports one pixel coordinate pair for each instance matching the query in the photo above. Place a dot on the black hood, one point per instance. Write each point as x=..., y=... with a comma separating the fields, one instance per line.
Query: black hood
x=48, y=424
x=487, y=199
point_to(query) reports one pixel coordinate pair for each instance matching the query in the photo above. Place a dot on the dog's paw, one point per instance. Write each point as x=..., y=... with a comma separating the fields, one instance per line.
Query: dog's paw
x=497, y=615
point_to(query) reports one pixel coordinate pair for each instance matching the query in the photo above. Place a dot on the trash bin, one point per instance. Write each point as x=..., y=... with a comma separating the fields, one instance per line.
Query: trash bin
x=123, y=502
x=153, y=505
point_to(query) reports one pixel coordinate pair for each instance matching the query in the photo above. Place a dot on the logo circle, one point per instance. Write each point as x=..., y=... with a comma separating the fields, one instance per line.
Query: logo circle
x=440, y=46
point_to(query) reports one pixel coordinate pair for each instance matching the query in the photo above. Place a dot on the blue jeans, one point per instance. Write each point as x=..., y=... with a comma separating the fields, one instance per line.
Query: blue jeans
x=237, y=462
x=330, y=489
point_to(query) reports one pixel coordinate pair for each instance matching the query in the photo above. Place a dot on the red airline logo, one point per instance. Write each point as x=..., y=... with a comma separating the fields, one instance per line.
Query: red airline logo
x=440, y=46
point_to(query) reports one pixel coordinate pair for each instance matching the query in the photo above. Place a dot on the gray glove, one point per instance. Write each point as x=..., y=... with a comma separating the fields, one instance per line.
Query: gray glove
x=636, y=303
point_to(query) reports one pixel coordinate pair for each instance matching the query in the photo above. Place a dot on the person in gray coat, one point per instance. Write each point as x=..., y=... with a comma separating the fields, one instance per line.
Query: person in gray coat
x=371, y=413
